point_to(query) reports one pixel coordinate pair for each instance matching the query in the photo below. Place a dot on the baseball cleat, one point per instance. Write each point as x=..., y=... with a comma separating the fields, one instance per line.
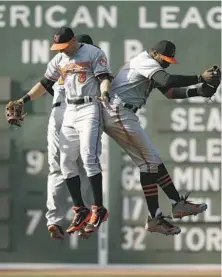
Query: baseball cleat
x=81, y=216
x=160, y=225
x=82, y=233
x=99, y=215
x=184, y=208
x=56, y=232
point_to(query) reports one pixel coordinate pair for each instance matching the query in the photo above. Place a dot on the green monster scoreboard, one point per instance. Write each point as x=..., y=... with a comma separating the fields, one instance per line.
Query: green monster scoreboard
x=187, y=134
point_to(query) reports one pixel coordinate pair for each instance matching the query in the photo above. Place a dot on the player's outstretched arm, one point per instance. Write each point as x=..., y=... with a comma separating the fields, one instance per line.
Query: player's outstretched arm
x=38, y=90
x=34, y=93
x=204, y=90
x=45, y=84
x=14, y=110
x=164, y=79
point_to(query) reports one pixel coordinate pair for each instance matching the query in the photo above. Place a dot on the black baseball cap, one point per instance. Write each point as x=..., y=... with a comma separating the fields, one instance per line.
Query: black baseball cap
x=84, y=39
x=167, y=50
x=62, y=38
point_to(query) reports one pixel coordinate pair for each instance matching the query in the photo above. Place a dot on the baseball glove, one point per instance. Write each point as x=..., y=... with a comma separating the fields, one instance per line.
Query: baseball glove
x=216, y=75
x=207, y=90
x=14, y=112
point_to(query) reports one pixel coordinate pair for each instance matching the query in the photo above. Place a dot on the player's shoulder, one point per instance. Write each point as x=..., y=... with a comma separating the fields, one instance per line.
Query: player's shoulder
x=93, y=49
x=58, y=57
x=93, y=52
x=144, y=58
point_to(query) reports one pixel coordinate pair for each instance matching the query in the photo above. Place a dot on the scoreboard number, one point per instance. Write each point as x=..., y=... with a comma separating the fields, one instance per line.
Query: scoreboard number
x=35, y=217
x=35, y=162
x=133, y=238
x=132, y=207
x=130, y=178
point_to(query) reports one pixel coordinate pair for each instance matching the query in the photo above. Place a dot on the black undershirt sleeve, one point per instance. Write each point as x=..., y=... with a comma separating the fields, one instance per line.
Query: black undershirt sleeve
x=47, y=84
x=104, y=76
x=163, y=79
x=179, y=93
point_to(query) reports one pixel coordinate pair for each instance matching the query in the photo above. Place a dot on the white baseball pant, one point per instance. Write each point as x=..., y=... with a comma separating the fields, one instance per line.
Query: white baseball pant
x=81, y=135
x=123, y=126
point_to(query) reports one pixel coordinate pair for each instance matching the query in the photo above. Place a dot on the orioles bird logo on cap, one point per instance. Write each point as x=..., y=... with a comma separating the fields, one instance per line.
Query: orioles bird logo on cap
x=56, y=38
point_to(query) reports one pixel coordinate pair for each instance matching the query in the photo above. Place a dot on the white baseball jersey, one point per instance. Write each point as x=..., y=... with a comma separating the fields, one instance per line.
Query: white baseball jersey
x=79, y=71
x=133, y=82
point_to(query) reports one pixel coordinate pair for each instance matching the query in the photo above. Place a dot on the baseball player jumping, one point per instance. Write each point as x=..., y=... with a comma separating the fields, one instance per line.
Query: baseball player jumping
x=86, y=77
x=56, y=188
x=131, y=88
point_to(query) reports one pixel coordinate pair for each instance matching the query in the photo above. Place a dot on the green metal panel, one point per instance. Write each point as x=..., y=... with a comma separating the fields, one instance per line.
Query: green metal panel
x=184, y=132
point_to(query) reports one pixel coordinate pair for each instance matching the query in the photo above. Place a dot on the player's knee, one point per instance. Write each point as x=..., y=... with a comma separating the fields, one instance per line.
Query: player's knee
x=67, y=173
x=54, y=164
x=91, y=166
x=92, y=170
x=149, y=167
x=143, y=168
x=69, y=169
